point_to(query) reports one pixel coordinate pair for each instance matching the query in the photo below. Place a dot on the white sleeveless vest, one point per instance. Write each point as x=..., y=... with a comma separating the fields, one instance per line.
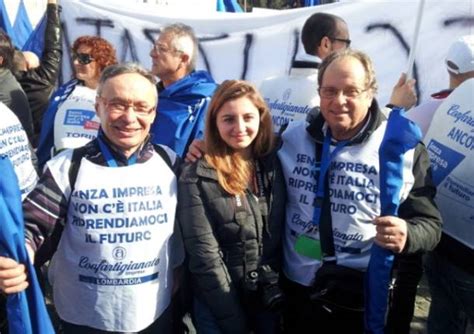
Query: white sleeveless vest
x=290, y=98
x=14, y=144
x=113, y=266
x=355, y=199
x=450, y=143
x=76, y=122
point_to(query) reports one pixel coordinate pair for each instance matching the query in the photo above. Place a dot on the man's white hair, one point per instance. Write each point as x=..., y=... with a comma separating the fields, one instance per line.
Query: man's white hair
x=183, y=40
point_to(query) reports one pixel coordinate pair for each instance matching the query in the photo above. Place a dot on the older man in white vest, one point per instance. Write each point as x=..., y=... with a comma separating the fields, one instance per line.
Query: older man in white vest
x=115, y=199
x=332, y=172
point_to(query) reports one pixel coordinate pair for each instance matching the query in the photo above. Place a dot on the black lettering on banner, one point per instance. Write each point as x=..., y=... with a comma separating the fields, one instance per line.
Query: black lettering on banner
x=128, y=44
x=248, y=45
x=461, y=20
x=203, y=53
x=296, y=43
x=151, y=34
x=399, y=37
x=98, y=23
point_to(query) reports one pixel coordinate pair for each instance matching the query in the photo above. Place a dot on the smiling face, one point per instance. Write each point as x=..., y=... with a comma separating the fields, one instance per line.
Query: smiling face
x=238, y=122
x=346, y=111
x=120, y=108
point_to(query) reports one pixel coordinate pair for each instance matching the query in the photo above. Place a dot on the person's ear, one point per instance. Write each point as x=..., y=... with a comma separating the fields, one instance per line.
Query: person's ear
x=96, y=106
x=185, y=59
x=326, y=42
x=324, y=47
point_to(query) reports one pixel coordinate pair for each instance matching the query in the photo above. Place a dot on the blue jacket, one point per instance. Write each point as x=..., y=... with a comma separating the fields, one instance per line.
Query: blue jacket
x=46, y=140
x=181, y=111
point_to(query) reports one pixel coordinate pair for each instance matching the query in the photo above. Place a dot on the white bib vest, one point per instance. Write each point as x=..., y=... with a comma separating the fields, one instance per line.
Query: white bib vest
x=76, y=122
x=14, y=144
x=290, y=98
x=450, y=143
x=113, y=266
x=354, y=190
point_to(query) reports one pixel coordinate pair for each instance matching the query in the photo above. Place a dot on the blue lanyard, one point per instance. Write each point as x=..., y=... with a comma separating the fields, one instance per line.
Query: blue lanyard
x=326, y=158
x=111, y=162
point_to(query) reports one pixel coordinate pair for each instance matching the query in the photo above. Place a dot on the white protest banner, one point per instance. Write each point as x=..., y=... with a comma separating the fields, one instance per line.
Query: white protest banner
x=258, y=45
x=450, y=143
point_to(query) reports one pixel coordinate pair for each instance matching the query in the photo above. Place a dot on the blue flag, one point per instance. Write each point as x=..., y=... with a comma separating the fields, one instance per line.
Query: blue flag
x=35, y=42
x=22, y=27
x=26, y=310
x=228, y=6
x=5, y=22
x=401, y=135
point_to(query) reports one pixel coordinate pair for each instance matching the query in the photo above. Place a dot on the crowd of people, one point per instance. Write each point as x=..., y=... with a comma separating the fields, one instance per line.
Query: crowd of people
x=184, y=205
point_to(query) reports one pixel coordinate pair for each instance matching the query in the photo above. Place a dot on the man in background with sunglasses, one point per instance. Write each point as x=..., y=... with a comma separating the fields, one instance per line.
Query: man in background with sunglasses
x=291, y=97
x=184, y=92
x=294, y=96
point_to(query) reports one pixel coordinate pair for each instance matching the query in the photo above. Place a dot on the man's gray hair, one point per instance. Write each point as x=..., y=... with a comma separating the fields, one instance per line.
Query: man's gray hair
x=183, y=40
x=124, y=68
x=363, y=58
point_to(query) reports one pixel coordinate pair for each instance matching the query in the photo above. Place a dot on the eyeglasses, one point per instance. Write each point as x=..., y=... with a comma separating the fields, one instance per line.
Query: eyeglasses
x=347, y=41
x=162, y=49
x=349, y=93
x=118, y=106
x=83, y=58
x=158, y=48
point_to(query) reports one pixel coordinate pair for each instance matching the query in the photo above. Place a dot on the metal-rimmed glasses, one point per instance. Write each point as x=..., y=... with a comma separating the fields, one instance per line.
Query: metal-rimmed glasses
x=120, y=106
x=161, y=49
x=328, y=92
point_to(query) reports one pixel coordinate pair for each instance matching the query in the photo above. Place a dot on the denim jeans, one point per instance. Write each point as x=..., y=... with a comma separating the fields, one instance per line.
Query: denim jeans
x=452, y=296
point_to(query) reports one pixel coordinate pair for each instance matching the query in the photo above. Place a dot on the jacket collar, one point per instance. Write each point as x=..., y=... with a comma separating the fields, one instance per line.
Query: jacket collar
x=196, y=83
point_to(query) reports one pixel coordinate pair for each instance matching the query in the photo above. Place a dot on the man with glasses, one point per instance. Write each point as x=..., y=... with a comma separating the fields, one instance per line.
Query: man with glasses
x=343, y=203
x=115, y=199
x=184, y=92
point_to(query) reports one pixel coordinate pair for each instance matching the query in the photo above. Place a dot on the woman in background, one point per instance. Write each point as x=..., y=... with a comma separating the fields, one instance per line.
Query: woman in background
x=70, y=120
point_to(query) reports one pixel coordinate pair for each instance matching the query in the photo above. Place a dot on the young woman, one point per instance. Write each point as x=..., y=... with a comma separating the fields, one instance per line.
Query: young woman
x=231, y=212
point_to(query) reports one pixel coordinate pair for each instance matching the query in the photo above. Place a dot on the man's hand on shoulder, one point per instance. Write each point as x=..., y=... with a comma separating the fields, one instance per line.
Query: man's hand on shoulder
x=195, y=150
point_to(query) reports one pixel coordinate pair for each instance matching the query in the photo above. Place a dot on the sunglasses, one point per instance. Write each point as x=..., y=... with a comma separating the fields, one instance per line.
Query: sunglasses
x=83, y=58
